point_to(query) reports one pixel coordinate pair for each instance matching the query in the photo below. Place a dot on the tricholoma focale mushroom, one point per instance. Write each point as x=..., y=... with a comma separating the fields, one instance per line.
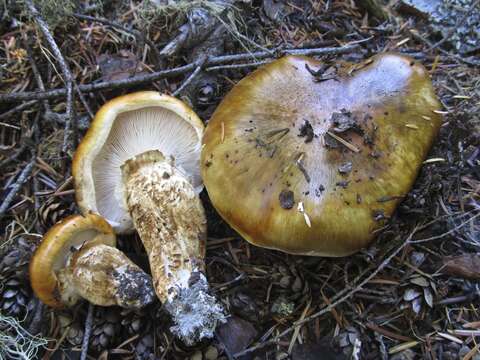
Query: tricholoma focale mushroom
x=139, y=167
x=311, y=164
x=77, y=259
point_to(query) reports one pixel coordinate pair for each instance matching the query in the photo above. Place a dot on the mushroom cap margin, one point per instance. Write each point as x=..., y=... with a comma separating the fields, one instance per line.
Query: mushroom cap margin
x=99, y=130
x=56, y=243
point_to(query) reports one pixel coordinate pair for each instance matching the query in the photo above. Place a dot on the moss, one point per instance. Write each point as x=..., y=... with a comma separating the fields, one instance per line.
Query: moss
x=56, y=12
x=152, y=10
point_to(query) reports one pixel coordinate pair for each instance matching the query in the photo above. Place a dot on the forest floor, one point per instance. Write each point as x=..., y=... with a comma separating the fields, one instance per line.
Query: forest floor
x=402, y=298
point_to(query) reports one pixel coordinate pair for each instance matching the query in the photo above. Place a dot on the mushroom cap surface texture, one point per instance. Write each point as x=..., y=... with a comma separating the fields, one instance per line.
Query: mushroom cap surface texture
x=52, y=254
x=123, y=128
x=314, y=166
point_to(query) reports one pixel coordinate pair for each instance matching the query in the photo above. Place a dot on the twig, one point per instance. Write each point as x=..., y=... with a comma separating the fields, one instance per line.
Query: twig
x=189, y=79
x=68, y=77
x=158, y=75
x=236, y=66
x=18, y=108
x=137, y=34
x=14, y=156
x=344, y=142
x=87, y=332
x=335, y=303
x=451, y=231
x=36, y=73
x=16, y=186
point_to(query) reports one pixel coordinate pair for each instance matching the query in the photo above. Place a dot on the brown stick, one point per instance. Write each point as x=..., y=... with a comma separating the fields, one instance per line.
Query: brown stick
x=67, y=74
x=158, y=75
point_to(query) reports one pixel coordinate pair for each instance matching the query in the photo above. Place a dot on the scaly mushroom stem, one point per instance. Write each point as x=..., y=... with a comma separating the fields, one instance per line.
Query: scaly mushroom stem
x=170, y=220
x=104, y=276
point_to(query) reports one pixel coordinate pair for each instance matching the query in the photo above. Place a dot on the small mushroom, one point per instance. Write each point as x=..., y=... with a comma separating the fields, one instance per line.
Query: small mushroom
x=138, y=166
x=287, y=162
x=77, y=259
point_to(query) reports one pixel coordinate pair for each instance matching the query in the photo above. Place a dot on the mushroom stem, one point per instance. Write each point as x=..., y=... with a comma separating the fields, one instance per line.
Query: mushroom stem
x=171, y=223
x=94, y=266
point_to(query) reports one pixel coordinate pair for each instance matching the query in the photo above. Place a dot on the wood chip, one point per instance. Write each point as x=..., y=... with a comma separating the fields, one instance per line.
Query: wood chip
x=401, y=42
x=222, y=137
x=468, y=333
x=301, y=209
x=434, y=160
x=450, y=337
x=465, y=266
x=344, y=142
x=401, y=347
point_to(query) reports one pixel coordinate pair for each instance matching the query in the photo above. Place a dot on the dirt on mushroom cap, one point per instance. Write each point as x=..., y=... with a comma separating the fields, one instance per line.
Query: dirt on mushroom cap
x=255, y=149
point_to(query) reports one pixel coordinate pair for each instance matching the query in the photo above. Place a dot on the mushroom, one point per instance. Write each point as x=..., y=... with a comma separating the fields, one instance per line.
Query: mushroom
x=77, y=258
x=139, y=167
x=314, y=163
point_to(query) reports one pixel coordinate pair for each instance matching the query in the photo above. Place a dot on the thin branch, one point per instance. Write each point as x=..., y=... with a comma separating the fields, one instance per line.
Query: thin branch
x=22, y=178
x=190, y=78
x=237, y=66
x=18, y=108
x=158, y=75
x=67, y=74
x=15, y=155
x=87, y=332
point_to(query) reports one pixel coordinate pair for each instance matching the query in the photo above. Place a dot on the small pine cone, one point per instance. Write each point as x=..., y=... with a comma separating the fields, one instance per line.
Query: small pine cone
x=144, y=348
x=105, y=329
x=290, y=282
x=346, y=340
x=418, y=295
x=75, y=329
x=135, y=321
x=52, y=211
x=16, y=256
x=14, y=296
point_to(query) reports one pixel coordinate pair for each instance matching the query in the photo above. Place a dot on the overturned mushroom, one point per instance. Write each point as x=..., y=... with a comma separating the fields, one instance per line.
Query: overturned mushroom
x=77, y=258
x=312, y=164
x=138, y=166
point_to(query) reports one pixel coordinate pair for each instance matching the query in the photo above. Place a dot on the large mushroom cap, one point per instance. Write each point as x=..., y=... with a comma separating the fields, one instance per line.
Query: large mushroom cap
x=123, y=128
x=58, y=243
x=313, y=166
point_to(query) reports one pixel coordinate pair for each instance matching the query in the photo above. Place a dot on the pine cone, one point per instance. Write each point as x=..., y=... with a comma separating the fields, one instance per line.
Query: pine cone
x=14, y=296
x=52, y=211
x=15, y=291
x=347, y=340
x=16, y=256
x=291, y=282
x=144, y=348
x=135, y=321
x=418, y=294
x=75, y=329
x=105, y=329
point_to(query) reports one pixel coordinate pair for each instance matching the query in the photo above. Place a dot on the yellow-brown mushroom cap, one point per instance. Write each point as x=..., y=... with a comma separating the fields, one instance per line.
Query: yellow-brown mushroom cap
x=311, y=166
x=123, y=128
x=56, y=246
